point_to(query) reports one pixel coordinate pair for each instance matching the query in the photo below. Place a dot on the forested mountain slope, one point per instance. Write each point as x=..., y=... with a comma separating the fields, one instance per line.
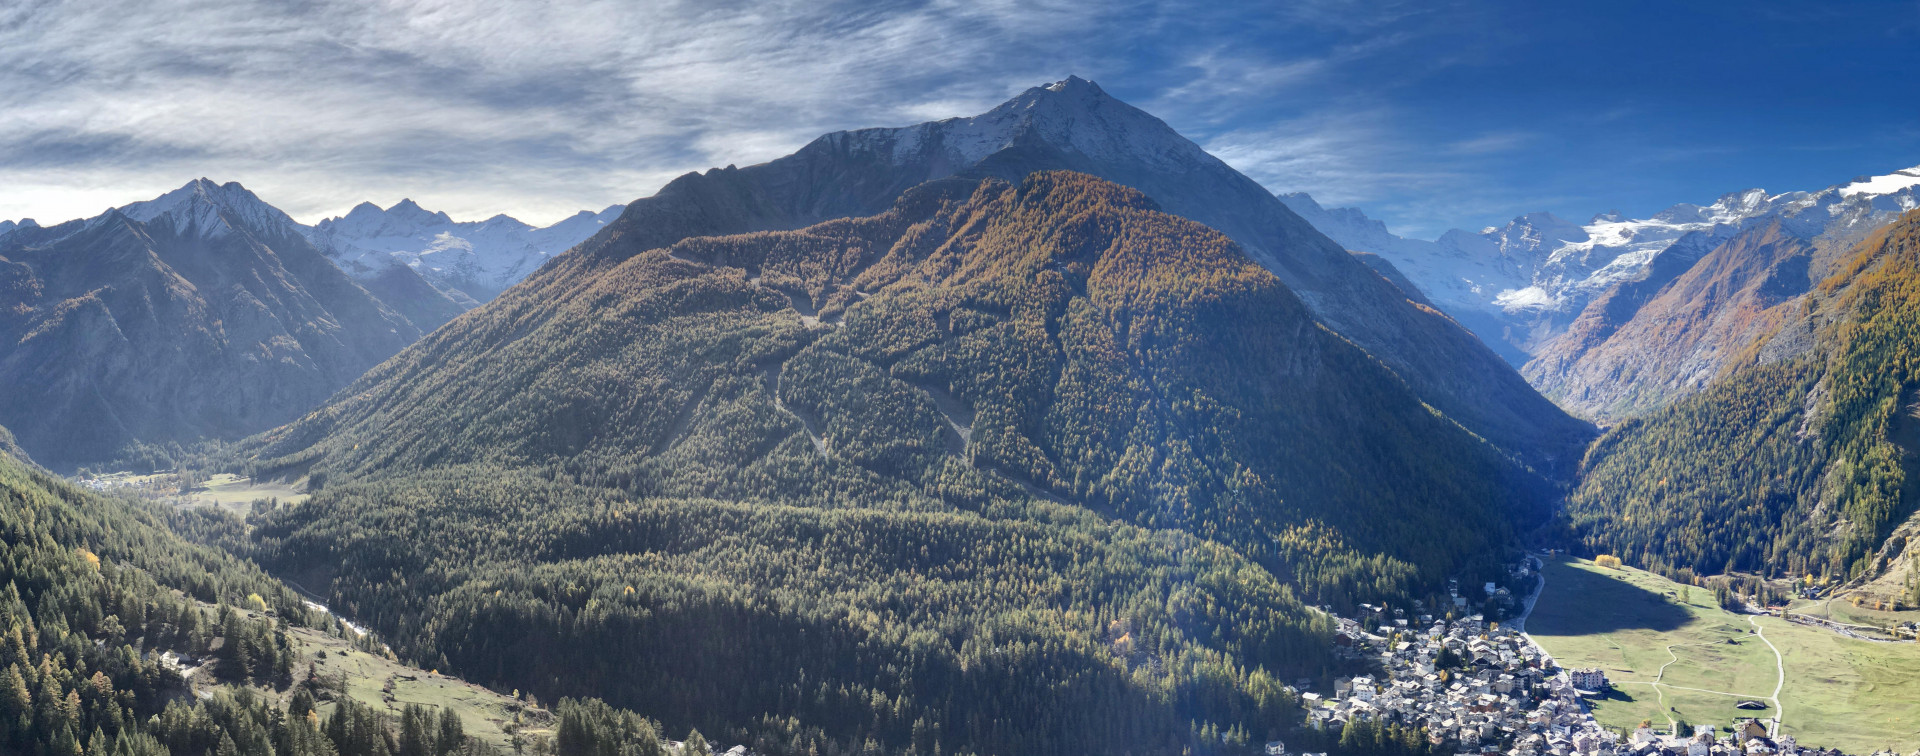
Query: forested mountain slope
x=203, y=313
x=92, y=591
x=1008, y=467
x=102, y=605
x=1074, y=125
x=1802, y=464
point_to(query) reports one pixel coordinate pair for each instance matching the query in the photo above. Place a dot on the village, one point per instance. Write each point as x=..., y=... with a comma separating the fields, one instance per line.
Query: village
x=1478, y=686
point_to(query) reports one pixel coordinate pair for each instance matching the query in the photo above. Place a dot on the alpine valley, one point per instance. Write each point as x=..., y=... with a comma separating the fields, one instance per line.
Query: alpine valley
x=1037, y=431
x=208, y=314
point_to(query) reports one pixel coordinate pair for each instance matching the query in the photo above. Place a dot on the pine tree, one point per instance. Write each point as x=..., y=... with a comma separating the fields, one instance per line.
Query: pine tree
x=414, y=737
x=696, y=745
x=14, y=698
x=453, y=735
x=65, y=744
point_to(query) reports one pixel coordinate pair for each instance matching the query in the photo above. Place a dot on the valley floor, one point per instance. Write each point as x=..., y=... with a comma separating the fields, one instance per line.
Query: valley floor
x=224, y=490
x=1673, y=654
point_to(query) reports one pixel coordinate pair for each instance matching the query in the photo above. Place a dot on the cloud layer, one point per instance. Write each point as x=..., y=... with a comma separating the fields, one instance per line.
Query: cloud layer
x=539, y=108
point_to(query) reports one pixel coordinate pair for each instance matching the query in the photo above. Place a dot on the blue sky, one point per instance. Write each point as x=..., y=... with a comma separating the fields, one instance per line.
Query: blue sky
x=1426, y=115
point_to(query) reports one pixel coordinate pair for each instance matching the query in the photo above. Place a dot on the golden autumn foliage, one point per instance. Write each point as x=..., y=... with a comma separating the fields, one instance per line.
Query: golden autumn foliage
x=883, y=476
x=1794, y=465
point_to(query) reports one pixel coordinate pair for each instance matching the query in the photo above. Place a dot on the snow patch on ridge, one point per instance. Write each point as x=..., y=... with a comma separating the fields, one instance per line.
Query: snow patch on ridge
x=1533, y=274
x=1073, y=113
x=481, y=258
x=1888, y=184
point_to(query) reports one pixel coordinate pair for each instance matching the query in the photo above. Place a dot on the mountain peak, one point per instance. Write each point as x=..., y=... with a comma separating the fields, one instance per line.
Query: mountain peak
x=1076, y=85
x=1073, y=115
x=203, y=207
x=412, y=212
x=8, y=226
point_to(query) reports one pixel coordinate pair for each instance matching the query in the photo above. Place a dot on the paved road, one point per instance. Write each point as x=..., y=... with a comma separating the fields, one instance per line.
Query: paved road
x=1519, y=622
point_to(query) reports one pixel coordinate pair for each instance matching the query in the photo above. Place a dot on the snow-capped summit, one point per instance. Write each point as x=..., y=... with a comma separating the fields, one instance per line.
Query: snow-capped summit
x=1521, y=283
x=1880, y=185
x=203, y=208
x=480, y=258
x=406, y=211
x=1073, y=114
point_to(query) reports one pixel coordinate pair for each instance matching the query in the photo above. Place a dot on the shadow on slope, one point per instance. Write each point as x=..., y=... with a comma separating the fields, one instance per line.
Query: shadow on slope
x=1582, y=602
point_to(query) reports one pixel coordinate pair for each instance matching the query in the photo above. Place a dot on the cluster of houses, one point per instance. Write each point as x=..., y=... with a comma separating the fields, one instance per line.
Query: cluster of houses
x=1471, y=683
x=1749, y=737
x=1479, y=688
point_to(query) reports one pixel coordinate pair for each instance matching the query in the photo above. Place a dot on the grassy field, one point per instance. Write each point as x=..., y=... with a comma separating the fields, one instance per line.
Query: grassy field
x=227, y=491
x=389, y=686
x=1643, y=629
x=1858, y=695
x=382, y=683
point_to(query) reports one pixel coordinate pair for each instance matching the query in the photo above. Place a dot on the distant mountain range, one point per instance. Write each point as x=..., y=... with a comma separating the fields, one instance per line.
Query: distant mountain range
x=1558, y=297
x=470, y=261
x=208, y=313
x=478, y=259
x=202, y=313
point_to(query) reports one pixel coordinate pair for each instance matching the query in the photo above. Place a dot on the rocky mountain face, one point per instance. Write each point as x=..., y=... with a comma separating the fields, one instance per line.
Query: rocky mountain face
x=1679, y=327
x=202, y=313
x=1713, y=298
x=1074, y=125
x=769, y=440
x=1547, y=291
x=1803, y=456
x=473, y=260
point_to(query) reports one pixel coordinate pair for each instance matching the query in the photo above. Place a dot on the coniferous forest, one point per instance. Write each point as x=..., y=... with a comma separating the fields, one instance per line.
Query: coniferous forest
x=98, y=598
x=1797, y=466
x=968, y=476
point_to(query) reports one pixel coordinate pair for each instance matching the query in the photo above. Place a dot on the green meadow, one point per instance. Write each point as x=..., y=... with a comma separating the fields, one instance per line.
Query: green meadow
x=1674, y=655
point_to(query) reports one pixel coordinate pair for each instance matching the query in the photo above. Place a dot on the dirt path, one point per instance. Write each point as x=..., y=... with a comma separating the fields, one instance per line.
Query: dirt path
x=1780, y=667
x=1658, y=681
x=1659, y=684
x=773, y=384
